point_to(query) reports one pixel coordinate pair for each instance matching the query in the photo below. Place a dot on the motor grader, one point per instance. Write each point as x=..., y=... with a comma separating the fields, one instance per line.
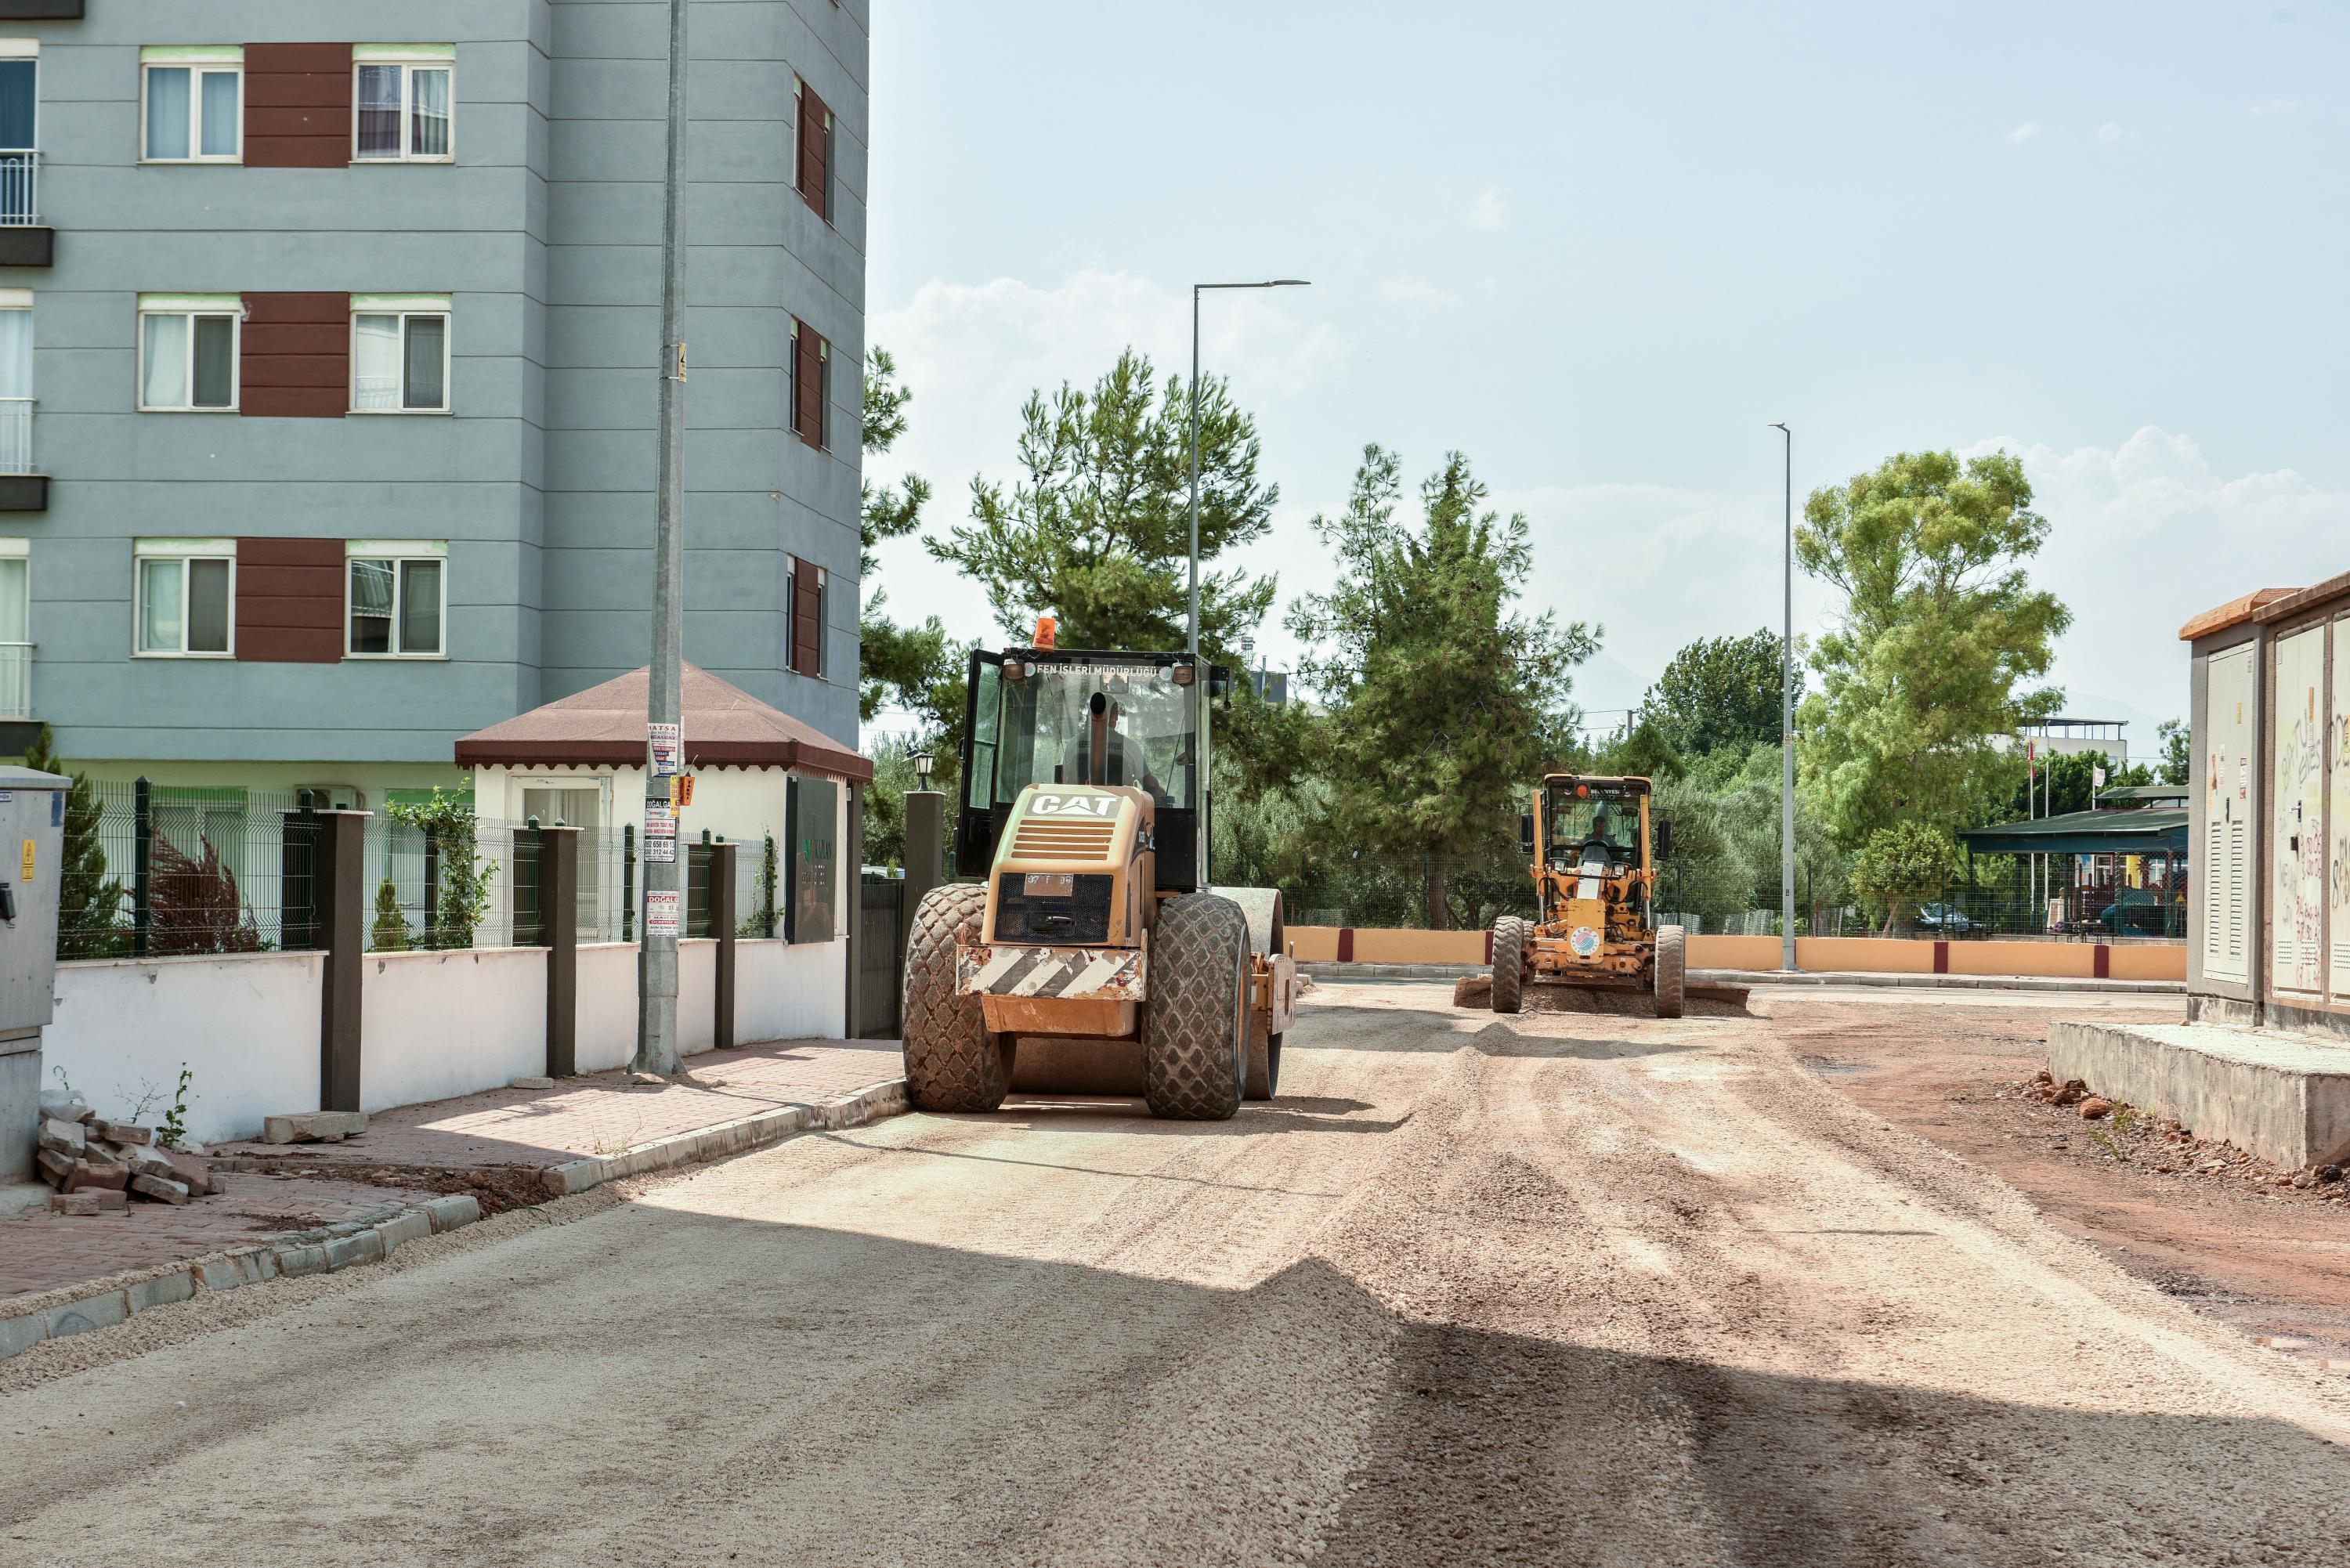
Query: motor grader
x=1595, y=870
x=1090, y=926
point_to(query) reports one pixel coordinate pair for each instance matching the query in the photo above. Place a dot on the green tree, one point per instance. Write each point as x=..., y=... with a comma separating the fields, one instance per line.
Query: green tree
x=1903, y=865
x=2176, y=748
x=1097, y=534
x=448, y=823
x=1720, y=692
x=1443, y=699
x=87, y=899
x=1938, y=644
x=898, y=664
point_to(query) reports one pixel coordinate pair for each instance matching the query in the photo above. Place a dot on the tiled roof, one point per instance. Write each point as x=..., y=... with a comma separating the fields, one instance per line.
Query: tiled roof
x=725, y=726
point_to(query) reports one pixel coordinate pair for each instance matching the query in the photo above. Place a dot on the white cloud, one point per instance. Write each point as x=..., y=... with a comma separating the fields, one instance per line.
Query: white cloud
x=2110, y=133
x=2023, y=133
x=2146, y=535
x=1417, y=292
x=1488, y=287
x=1487, y=211
x=2274, y=107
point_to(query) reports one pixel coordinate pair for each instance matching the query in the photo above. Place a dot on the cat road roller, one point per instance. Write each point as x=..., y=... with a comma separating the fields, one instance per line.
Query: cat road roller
x=1595, y=881
x=1091, y=929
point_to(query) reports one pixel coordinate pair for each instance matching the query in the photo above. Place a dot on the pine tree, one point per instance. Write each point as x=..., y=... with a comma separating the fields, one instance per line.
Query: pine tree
x=389, y=933
x=1444, y=700
x=88, y=899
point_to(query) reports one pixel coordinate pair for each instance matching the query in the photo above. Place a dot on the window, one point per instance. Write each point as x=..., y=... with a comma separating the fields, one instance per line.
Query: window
x=808, y=587
x=187, y=351
x=812, y=142
x=400, y=354
x=185, y=591
x=20, y=72
x=193, y=105
x=403, y=106
x=15, y=381
x=396, y=599
x=811, y=371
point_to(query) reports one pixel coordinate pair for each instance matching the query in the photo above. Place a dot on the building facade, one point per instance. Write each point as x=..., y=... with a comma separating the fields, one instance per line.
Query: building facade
x=328, y=345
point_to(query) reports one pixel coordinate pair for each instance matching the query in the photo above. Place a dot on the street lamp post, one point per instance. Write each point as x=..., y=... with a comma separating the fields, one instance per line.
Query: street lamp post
x=1193, y=639
x=1787, y=721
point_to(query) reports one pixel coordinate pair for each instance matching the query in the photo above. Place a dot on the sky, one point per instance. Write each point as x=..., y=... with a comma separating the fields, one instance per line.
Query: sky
x=1599, y=248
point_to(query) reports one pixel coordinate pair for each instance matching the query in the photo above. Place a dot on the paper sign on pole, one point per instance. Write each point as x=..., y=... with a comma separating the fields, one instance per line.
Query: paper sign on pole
x=666, y=743
x=660, y=913
x=660, y=830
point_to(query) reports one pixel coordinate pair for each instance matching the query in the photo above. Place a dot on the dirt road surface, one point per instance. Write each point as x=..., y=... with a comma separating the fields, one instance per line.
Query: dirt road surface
x=1554, y=1288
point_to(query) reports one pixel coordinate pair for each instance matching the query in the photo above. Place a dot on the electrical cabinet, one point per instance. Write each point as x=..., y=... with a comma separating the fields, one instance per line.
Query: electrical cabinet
x=2226, y=804
x=31, y=833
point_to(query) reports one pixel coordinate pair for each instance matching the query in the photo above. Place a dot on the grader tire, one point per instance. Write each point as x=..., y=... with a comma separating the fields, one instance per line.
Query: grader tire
x=1195, y=1026
x=952, y=1063
x=1509, y=963
x=1672, y=976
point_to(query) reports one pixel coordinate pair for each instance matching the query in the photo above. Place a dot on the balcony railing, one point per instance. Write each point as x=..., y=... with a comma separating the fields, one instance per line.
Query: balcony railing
x=16, y=436
x=15, y=679
x=20, y=187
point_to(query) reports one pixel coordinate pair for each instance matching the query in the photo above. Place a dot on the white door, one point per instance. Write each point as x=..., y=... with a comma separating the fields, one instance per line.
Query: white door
x=2227, y=767
x=2296, y=822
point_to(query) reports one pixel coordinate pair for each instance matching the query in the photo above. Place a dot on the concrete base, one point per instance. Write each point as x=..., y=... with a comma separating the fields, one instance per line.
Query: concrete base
x=2285, y=1098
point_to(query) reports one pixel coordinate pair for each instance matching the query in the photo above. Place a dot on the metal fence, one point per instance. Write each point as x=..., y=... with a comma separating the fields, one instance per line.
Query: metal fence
x=172, y=870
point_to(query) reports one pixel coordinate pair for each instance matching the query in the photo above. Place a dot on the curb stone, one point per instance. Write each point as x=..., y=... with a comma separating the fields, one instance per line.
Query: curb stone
x=741, y=1137
x=373, y=1234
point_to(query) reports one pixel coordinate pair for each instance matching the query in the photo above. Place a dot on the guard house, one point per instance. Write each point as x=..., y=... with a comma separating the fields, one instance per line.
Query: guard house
x=2269, y=821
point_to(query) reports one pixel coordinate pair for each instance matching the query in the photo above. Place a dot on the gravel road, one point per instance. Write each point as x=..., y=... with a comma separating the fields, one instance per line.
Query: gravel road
x=1556, y=1289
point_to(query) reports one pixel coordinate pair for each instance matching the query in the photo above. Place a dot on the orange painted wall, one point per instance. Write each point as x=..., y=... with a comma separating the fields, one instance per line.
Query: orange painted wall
x=2134, y=962
x=1878, y=955
x=1733, y=953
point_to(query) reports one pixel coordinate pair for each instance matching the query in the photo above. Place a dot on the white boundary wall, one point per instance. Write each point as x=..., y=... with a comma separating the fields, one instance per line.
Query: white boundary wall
x=246, y=1027
x=436, y=1025
x=432, y=1024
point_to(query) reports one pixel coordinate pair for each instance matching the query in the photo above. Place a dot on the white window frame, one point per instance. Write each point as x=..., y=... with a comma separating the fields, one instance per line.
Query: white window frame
x=396, y=553
x=26, y=49
x=198, y=62
x=184, y=551
x=192, y=305
x=402, y=306
x=411, y=59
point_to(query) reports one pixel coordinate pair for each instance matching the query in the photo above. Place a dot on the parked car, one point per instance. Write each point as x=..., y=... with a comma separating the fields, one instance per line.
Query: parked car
x=2137, y=912
x=1948, y=920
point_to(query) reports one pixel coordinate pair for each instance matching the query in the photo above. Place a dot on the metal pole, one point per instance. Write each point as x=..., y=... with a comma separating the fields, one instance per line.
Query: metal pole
x=1193, y=644
x=657, y=973
x=1787, y=724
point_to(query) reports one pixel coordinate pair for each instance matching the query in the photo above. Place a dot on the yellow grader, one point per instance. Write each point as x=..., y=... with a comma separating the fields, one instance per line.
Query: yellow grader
x=1595, y=870
x=1091, y=928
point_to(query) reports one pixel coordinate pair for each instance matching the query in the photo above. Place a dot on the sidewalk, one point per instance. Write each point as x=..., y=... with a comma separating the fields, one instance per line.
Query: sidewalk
x=502, y=1146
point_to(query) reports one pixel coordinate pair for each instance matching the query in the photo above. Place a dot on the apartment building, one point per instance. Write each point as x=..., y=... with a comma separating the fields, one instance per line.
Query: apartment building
x=329, y=336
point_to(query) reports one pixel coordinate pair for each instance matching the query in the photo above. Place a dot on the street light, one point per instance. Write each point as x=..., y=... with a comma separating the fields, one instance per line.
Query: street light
x=1193, y=638
x=1787, y=725
x=923, y=764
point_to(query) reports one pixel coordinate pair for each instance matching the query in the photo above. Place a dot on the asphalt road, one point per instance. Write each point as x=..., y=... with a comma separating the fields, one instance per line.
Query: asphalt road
x=1558, y=1289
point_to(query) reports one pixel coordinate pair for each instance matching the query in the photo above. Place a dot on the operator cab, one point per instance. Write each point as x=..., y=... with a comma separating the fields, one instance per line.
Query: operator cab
x=1594, y=823
x=1048, y=716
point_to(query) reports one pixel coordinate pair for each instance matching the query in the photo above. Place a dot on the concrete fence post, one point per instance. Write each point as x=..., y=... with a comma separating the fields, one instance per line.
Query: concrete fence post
x=339, y=887
x=558, y=923
x=723, y=921
x=926, y=852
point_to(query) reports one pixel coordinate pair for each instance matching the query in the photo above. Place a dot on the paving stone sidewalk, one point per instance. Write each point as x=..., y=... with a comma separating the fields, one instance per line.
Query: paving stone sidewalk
x=443, y=1146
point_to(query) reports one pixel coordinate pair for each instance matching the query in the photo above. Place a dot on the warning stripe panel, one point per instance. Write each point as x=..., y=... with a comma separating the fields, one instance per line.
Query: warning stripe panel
x=1115, y=975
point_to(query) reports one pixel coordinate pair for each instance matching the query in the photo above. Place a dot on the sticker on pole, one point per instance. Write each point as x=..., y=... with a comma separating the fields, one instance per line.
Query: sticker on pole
x=660, y=830
x=666, y=742
x=660, y=913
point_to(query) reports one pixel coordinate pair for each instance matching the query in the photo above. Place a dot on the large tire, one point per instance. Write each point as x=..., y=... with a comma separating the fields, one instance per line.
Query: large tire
x=952, y=1063
x=1195, y=1026
x=1509, y=963
x=1672, y=977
